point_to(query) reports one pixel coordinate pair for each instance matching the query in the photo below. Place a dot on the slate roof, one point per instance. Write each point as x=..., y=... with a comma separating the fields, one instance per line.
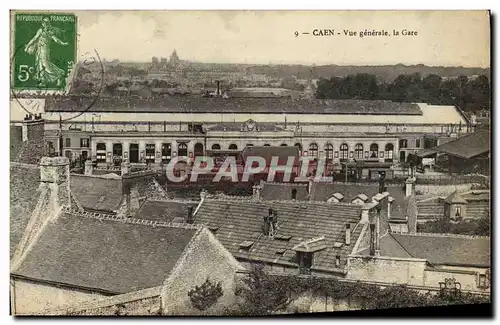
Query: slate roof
x=198, y=104
x=322, y=191
x=468, y=146
x=446, y=250
x=283, y=191
x=169, y=211
x=104, y=255
x=239, y=221
x=24, y=182
x=96, y=193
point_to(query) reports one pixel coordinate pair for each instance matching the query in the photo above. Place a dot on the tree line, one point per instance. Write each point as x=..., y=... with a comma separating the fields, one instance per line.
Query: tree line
x=468, y=93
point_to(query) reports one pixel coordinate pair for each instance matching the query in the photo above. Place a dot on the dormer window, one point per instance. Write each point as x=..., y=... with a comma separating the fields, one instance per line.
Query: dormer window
x=305, y=262
x=270, y=223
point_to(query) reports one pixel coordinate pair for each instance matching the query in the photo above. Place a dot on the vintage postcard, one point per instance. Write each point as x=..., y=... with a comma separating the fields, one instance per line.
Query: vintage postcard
x=249, y=163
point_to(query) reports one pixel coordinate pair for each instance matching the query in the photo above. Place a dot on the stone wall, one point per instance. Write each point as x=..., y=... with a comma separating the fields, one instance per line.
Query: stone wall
x=410, y=271
x=385, y=269
x=30, y=298
x=204, y=258
x=441, y=190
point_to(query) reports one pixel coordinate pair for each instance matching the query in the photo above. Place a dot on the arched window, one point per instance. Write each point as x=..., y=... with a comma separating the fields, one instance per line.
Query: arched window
x=358, y=151
x=182, y=149
x=198, y=149
x=267, y=145
x=344, y=151
x=313, y=150
x=101, y=152
x=284, y=145
x=329, y=151
x=216, y=146
x=249, y=145
x=374, y=150
x=232, y=146
x=389, y=152
x=299, y=146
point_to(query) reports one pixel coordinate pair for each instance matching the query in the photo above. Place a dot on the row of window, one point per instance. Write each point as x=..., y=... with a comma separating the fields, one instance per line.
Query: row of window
x=342, y=154
x=358, y=153
x=84, y=143
x=403, y=143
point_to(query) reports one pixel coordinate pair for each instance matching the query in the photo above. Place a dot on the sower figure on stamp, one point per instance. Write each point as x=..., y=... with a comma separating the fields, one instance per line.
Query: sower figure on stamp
x=46, y=71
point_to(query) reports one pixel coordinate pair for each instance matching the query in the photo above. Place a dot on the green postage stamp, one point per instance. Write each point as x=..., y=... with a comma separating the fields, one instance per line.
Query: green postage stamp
x=44, y=51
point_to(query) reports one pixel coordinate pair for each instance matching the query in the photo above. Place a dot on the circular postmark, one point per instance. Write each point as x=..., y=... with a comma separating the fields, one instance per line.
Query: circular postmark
x=83, y=84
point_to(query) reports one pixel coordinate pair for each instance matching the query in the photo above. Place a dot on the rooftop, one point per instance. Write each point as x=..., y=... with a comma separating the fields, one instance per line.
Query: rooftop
x=24, y=181
x=467, y=146
x=438, y=249
x=168, y=211
x=321, y=191
x=235, y=222
x=193, y=104
x=97, y=193
x=104, y=254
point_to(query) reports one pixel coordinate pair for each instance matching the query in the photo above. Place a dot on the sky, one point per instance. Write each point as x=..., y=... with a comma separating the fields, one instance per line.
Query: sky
x=448, y=38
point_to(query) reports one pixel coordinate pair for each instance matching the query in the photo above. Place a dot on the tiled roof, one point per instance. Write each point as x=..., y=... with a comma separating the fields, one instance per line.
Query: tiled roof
x=430, y=209
x=96, y=193
x=239, y=221
x=322, y=191
x=193, y=104
x=447, y=250
x=476, y=196
x=455, y=198
x=169, y=211
x=24, y=181
x=478, y=209
x=283, y=191
x=103, y=254
x=468, y=146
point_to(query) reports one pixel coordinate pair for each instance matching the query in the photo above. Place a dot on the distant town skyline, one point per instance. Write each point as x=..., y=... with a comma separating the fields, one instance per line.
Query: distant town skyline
x=445, y=38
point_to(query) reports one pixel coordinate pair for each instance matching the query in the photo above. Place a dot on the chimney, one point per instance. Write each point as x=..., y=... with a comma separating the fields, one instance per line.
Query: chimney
x=337, y=260
x=365, y=211
x=189, y=217
x=218, y=92
x=310, y=185
x=372, y=239
x=377, y=231
x=411, y=214
x=32, y=129
x=54, y=174
x=54, y=194
x=381, y=184
x=348, y=234
x=410, y=186
x=88, y=167
x=256, y=192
